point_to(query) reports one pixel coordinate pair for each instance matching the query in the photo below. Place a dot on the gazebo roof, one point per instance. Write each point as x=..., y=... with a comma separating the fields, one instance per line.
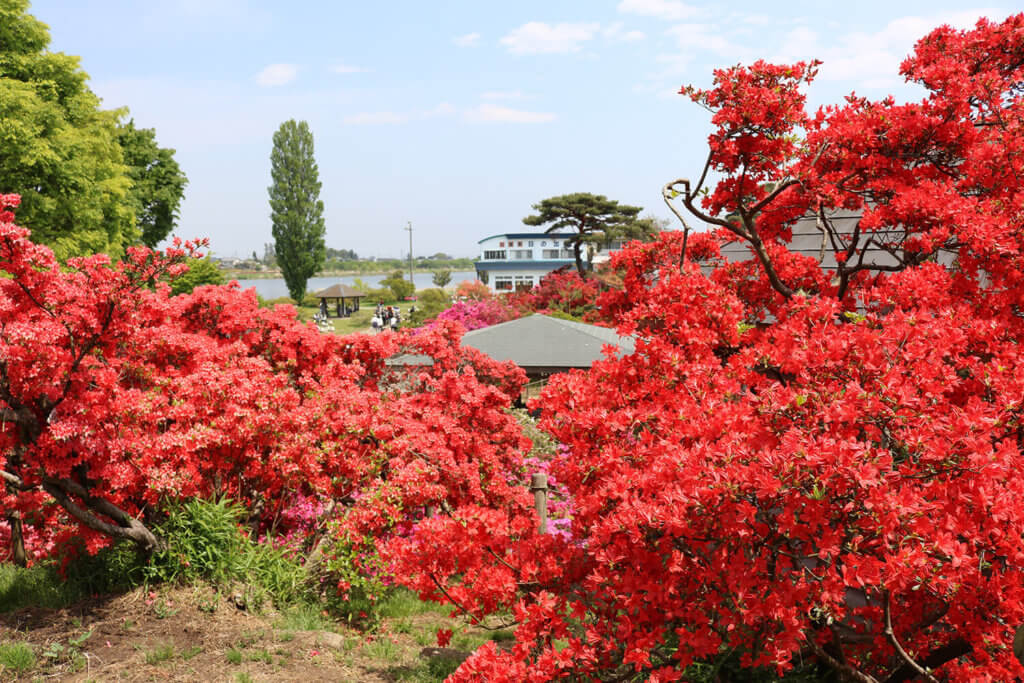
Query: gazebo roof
x=339, y=291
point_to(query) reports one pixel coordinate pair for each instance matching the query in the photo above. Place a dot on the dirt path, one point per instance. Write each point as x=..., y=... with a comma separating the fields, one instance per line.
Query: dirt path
x=195, y=634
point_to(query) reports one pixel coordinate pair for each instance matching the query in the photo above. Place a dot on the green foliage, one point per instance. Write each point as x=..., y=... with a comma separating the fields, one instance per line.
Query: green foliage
x=59, y=151
x=594, y=219
x=399, y=286
x=441, y=278
x=429, y=303
x=279, y=301
x=37, y=586
x=200, y=272
x=158, y=183
x=296, y=211
x=354, y=566
x=16, y=657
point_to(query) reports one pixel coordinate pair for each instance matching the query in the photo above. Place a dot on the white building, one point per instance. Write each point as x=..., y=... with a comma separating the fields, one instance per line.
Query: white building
x=518, y=260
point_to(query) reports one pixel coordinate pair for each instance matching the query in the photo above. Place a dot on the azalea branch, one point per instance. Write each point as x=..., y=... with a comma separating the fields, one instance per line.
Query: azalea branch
x=473, y=618
x=845, y=669
x=668, y=193
x=127, y=526
x=890, y=634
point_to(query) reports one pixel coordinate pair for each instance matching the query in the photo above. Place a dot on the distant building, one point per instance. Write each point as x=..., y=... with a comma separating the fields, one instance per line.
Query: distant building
x=518, y=260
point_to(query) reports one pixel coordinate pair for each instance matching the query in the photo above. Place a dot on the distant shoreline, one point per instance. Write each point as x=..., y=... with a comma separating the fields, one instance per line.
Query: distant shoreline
x=242, y=274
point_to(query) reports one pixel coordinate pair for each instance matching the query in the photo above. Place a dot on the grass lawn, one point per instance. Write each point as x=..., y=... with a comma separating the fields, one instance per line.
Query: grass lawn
x=358, y=321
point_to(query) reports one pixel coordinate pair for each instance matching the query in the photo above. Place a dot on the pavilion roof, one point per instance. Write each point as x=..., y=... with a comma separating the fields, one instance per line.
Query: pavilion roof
x=339, y=291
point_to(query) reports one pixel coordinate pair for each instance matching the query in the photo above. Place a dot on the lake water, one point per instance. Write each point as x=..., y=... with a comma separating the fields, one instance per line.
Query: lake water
x=272, y=288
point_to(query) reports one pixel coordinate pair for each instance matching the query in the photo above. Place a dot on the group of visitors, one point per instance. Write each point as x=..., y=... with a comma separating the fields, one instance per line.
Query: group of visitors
x=385, y=318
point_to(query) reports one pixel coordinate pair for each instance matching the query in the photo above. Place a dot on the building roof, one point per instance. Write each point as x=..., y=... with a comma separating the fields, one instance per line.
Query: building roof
x=811, y=241
x=339, y=291
x=548, y=264
x=540, y=341
x=528, y=235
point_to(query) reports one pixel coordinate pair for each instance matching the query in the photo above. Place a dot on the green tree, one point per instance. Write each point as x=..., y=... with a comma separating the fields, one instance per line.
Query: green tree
x=296, y=211
x=158, y=184
x=59, y=151
x=398, y=285
x=442, y=277
x=595, y=219
x=200, y=272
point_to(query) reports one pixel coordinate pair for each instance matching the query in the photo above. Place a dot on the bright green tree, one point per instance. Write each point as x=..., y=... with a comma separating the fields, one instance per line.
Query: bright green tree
x=441, y=278
x=58, y=150
x=158, y=183
x=595, y=220
x=399, y=286
x=296, y=211
x=200, y=272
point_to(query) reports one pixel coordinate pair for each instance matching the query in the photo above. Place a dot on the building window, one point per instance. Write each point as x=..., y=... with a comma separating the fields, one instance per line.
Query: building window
x=544, y=243
x=550, y=253
x=519, y=244
x=524, y=282
x=522, y=254
x=503, y=283
x=494, y=255
x=530, y=243
x=567, y=253
x=501, y=244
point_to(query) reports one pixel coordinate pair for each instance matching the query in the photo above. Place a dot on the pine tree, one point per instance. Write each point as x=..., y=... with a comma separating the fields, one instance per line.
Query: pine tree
x=296, y=211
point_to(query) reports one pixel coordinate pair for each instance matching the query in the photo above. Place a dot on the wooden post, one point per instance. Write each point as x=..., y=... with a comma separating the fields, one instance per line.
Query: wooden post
x=539, y=486
x=431, y=511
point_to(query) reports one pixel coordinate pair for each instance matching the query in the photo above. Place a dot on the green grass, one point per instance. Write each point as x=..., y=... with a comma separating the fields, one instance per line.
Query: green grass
x=161, y=653
x=402, y=603
x=303, y=617
x=16, y=657
x=39, y=586
x=358, y=321
x=234, y=656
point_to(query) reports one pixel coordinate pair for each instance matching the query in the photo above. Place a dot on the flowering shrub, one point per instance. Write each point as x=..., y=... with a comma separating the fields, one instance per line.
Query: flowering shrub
x=472, y=315
x=117, y=398
x=801, y=465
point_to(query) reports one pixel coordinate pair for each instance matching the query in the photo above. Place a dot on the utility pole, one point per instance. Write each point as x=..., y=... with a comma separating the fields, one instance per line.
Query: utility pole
x=409, y=228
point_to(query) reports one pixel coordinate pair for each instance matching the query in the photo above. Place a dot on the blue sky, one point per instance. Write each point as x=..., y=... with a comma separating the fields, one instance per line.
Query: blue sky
x=456, y=116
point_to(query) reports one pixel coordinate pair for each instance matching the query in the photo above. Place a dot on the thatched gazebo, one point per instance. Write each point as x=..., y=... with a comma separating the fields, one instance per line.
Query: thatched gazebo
x=345, y=300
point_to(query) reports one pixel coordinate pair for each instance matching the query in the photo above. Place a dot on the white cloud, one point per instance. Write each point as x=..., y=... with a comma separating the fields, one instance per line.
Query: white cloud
x=375, y=118
x=671, y=10
x=467, y=40
x=704, y=37
x=616, y=33
x=277, y=74
x=537, y=37
x=443, y=109
x=502, y=95
x=871, y=60
x=348, y=69
x=493, y=113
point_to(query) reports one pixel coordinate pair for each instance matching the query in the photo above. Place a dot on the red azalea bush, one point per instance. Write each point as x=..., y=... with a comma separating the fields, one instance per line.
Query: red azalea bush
x=117, y=397
x=800, y=466
x=806, y=464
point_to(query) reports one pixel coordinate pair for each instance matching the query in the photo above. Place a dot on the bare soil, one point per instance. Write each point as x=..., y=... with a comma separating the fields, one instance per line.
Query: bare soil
x=196, y=634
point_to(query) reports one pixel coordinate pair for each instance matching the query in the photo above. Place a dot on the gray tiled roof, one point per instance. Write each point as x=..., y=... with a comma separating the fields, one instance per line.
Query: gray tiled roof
x=809, y=240
x=538, y=341
x=542, y=341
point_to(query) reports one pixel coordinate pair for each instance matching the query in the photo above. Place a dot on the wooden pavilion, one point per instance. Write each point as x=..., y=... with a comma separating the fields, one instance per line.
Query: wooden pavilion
x=343, y=299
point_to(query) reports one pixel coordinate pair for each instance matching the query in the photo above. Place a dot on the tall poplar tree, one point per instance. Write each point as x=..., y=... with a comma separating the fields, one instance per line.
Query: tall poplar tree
x=296, y=211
